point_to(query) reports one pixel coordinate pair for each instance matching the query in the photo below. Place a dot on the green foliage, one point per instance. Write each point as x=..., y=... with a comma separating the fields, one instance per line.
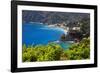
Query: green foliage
x=63, y=37
x=85, y=27
x=53, y=52
x=50, y=52
x=79, y=51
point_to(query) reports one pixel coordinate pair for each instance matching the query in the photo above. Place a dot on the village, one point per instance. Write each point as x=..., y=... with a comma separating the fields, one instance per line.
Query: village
x=72, y=30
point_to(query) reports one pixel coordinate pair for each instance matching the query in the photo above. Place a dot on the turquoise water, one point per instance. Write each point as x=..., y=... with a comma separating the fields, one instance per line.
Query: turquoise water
x=36, y=33
x=65, y=45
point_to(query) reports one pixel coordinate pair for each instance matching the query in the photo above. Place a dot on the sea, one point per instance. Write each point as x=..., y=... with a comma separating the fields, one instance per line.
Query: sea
x=42, y=34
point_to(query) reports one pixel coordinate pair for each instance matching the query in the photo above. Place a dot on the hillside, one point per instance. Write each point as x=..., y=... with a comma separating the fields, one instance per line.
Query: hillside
x=52, y=17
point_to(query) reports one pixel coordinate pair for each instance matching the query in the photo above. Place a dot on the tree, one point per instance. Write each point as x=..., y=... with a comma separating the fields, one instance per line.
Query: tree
x=85, y=27
x=63, y=37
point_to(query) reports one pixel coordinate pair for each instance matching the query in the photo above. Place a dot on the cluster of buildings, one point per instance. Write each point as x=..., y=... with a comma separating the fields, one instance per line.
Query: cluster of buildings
x=71, y=26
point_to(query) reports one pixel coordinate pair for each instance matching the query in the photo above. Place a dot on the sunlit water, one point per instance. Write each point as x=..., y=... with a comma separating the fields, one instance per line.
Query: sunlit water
x=36, y=33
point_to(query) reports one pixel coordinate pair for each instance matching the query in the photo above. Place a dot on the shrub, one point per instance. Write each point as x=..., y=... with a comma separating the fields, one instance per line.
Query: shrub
x=50, y=52
x=53, y=52
x=79, y=51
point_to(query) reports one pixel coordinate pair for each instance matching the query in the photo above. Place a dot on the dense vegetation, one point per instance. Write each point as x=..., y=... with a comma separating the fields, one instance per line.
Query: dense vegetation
x=53, y=52
x=79, y=51
x=52, y=17
x=85, y=27
x=48, y=52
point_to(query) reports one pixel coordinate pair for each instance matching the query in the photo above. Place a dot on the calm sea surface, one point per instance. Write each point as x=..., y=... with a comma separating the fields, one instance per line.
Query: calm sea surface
x=36, y=33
